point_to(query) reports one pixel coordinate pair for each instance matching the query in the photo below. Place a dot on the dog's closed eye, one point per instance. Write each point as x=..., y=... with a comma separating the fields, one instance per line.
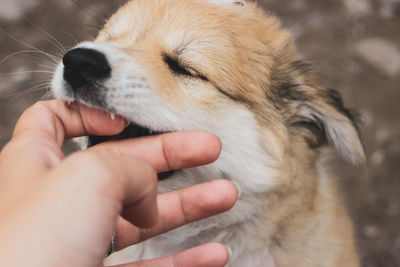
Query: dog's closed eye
x=178, y=68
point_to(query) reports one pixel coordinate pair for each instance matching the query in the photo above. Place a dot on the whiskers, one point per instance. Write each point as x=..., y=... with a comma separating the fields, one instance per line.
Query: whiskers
x=49, y=37
x=95, y=11
x=46, y=63
x=42, y=63
x=40, y=86
x=31, y=49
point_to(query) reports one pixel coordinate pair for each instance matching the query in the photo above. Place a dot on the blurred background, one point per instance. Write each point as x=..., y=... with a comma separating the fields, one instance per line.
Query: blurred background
x=355, y=48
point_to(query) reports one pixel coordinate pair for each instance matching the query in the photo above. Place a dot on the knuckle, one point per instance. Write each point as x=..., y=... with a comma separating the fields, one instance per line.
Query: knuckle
x=167, y=152
x=184, y=209
x=98, y=174
x=39, y=107
x=151, y=175
x=95, y=163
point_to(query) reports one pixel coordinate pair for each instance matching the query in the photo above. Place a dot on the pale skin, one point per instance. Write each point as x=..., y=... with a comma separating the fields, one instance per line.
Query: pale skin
x=62, y=211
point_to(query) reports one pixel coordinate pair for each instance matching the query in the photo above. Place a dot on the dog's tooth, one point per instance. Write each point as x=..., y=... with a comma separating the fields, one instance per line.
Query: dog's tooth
x=112, y=116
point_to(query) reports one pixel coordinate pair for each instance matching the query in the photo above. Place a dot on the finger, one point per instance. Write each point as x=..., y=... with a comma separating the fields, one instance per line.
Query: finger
x=108, y=185
x=171, y=151
x=181, y=207
x=208, y=255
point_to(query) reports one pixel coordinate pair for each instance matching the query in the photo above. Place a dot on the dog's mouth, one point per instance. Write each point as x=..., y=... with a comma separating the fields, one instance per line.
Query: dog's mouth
x=133, y=130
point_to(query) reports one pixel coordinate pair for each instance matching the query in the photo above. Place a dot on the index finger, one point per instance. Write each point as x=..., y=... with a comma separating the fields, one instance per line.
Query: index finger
x=170, y=151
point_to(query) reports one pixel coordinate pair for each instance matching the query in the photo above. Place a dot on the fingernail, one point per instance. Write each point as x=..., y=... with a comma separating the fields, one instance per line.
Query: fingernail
x=229, y=251
x=238, y=189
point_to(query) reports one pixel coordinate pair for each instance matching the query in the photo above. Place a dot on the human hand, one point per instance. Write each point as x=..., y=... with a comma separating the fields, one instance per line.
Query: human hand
x=57, y=211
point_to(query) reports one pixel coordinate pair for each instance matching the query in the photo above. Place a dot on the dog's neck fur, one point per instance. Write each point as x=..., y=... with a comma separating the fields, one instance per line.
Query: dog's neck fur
x=276, y=186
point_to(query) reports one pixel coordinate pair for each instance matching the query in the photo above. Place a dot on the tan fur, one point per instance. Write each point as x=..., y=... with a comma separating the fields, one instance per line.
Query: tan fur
x=247, y=56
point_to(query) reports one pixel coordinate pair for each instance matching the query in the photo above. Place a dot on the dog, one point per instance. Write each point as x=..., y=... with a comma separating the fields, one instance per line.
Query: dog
x=229, y=68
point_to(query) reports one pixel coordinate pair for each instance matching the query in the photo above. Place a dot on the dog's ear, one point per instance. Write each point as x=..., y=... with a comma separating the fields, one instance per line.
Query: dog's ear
x=316, y=113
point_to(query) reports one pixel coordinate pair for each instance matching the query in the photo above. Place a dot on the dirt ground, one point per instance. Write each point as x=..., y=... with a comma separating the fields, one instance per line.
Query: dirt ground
x=354, y=45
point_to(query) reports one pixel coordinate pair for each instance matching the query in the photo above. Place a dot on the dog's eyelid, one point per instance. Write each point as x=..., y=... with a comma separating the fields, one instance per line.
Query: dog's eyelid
x=180, y=67
x=176, y=66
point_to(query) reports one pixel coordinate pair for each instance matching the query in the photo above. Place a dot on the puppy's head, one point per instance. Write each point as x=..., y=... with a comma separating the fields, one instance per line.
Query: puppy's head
x=222, y=66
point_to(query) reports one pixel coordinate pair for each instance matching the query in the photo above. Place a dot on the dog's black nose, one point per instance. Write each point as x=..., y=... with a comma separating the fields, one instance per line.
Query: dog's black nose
x=83, y=67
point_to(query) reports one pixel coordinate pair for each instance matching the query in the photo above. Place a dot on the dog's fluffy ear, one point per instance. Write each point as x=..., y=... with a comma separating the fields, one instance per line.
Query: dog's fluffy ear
x=328, y=121
x=317, y=113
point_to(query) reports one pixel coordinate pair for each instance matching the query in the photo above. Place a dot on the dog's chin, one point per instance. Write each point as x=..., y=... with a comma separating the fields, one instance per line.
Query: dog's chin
x=133, y=130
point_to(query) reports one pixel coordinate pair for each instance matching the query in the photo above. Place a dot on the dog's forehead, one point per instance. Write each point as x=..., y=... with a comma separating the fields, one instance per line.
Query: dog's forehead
x=223, y=44
x=170, y=21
